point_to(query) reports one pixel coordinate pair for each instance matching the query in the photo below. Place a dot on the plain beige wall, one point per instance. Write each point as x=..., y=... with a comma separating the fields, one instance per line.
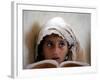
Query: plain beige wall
x=79, y=22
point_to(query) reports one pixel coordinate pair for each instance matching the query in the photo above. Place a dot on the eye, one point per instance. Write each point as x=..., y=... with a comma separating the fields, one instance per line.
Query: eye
x=62, y=44
x=49, y=44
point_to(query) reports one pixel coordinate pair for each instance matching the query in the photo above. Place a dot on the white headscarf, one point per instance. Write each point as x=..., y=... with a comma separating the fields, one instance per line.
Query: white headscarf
x=58, y=26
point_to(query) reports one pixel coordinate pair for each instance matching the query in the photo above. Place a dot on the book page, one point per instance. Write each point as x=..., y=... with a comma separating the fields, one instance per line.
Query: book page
x=73, y=64
x=43, y=64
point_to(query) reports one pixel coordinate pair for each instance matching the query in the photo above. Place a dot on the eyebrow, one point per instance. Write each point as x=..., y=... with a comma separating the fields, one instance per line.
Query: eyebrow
x=48, y=41
x=63, y=40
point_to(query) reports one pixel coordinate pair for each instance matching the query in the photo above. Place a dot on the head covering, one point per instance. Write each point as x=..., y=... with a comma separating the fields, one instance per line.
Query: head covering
x=58, y=26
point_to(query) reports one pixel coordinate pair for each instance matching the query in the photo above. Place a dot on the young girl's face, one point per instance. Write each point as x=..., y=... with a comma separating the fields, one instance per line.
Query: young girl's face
x=55, y=48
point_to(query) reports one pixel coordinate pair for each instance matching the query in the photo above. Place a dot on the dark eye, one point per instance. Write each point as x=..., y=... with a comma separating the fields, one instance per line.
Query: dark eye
x=49, y=44
x=62, y=44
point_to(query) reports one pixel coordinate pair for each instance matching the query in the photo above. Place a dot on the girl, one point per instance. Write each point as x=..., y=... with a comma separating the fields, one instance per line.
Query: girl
x=57, y=41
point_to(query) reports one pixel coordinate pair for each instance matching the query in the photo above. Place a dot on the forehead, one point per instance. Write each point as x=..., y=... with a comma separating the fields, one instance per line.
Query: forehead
x=53, y=37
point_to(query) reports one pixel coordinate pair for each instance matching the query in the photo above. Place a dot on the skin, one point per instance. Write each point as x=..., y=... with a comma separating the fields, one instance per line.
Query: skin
x=55, y=48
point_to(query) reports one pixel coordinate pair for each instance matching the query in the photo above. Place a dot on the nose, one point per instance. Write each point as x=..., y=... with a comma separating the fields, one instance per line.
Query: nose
x=56, y=50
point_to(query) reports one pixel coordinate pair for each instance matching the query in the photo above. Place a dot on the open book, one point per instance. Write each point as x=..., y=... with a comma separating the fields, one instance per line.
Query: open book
x=55, y=64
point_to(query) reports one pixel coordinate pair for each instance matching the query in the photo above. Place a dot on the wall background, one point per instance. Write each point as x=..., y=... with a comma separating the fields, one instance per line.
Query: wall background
x=5, y=38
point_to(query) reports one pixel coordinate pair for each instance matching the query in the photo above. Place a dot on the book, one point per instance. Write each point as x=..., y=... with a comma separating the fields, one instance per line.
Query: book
x=55, y=64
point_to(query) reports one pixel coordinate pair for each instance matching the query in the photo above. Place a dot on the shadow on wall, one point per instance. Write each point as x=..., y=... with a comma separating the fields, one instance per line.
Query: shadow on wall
x=30, y=41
